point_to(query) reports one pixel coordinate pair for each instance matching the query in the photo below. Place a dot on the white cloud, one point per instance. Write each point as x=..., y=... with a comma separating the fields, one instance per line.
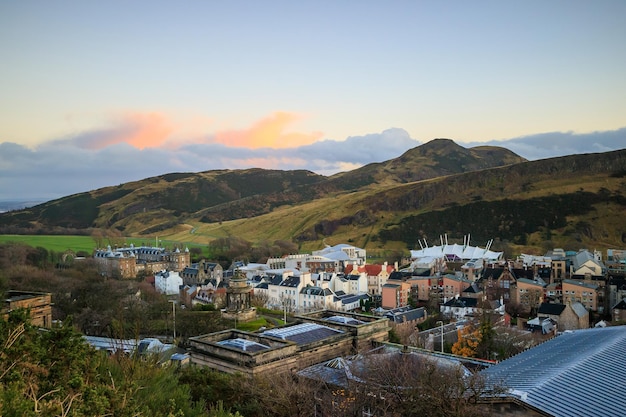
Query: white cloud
x=67, y=166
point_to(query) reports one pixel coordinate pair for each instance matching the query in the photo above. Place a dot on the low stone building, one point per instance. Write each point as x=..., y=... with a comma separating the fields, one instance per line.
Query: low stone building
x=315, y=337
x=569, y=316
x=39, y=304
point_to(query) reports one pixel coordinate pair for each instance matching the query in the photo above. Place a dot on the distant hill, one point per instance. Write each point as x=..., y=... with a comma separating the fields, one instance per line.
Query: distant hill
x=438, y=187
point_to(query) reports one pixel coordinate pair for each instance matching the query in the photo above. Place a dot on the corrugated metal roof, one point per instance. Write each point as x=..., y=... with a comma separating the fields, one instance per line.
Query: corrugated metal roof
x=575, y=374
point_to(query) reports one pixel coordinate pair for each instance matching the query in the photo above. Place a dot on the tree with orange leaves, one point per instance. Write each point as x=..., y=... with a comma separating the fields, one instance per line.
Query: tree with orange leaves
x=469, y=340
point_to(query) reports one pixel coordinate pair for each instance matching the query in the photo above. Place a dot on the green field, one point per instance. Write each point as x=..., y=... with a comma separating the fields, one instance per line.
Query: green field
x=62, y=243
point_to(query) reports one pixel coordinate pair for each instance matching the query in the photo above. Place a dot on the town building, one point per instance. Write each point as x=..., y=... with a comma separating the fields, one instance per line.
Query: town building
x=38, y=305
x=202, y=272
x=529, y=294
x=588, y=293
x=313, y=338
x=375, y=275
x=570, y=316
x=168, y=282
x=127, y=263
x=395, y=294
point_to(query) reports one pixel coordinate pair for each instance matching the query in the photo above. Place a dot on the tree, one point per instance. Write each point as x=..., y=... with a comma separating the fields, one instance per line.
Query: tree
x=55, y=372
x=469, y=338
x=412, y=384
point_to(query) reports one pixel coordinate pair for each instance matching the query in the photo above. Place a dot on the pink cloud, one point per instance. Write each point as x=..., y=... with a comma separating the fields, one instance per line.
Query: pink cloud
x=141, y=130
x=268, y=133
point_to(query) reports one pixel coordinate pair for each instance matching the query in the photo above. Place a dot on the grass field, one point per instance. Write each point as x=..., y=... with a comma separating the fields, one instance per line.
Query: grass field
x=62, y=243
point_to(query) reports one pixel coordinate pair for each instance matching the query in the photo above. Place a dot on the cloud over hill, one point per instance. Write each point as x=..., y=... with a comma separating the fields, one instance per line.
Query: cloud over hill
x=112, y=156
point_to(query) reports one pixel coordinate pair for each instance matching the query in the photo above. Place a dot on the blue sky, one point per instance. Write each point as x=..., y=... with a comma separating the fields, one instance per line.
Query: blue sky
x=100, y=93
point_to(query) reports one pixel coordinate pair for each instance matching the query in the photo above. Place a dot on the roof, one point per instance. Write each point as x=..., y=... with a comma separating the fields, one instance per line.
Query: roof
x=531, y=282
x=575, y=374
x=302, y=333
x=494, y=273
x=461, y=302
x=551, y=309
x=370, y=269
x=579, y=309
x=459, y=251
x=316, y=291
x=344, y=320
x=580, y=284
x=351, y=298
x=620, y=306
x=457, y=278
x=243, y=344
x=402, y=314
x=472, y=289
x=584, y=256
x=290, y=282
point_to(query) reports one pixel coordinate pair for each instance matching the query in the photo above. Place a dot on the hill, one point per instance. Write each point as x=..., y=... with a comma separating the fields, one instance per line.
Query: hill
x=159, y=202
x=439, y=187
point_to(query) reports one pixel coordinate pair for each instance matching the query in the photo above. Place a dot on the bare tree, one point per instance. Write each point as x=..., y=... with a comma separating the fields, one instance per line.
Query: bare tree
x=259, y=299
x=409, y=384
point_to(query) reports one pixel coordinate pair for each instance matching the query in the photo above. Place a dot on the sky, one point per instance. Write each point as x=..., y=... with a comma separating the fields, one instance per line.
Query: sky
x=99, y=93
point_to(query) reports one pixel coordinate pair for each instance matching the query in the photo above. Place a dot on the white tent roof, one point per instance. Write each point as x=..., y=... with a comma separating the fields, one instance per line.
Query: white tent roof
x=460, y=251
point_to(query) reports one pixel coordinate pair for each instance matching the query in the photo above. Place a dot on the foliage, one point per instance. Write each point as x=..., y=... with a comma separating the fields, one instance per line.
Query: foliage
x=54, y=372
x=468, y=340
x=476, y=341
x=507, y=219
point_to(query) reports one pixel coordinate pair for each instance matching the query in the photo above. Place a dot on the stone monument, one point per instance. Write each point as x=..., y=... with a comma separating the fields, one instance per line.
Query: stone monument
x=238, y=296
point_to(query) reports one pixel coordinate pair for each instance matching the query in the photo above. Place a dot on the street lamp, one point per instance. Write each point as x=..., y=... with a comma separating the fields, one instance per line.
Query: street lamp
x=440, y=323
x=174, y=316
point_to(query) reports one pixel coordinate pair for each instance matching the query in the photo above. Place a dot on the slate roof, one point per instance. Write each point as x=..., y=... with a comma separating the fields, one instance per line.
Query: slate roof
x=399, y=275
x=462, y=302
x=531, y=282
x=276, y=280
x=316, y=291
x=620, y=306
x=581, y=284
x=402, y=314
x=190, y=270
x=522, y=273
x=551, y=309
x=352, y=298
x=575, y=374
x=290, y=282
x=472, y=289
x=494, y=273
x=421, y=272
x=579, y=309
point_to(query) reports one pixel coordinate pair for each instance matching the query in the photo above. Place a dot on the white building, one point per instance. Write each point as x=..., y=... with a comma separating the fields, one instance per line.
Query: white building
x=168, y=282
x=344, y=253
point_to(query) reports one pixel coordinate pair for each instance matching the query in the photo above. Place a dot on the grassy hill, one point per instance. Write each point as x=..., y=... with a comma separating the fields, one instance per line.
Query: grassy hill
x=439, y=187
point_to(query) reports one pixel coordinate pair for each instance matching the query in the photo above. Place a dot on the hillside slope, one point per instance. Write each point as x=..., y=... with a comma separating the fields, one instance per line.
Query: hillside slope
x=157, y=203
x=437, y=188
x=573, y=202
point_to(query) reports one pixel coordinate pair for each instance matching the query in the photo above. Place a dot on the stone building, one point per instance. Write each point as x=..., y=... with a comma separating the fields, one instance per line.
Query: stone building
x=37, y=303
x=202, y=272
x=313, y=338
x=127, y=262
x=238, y=297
